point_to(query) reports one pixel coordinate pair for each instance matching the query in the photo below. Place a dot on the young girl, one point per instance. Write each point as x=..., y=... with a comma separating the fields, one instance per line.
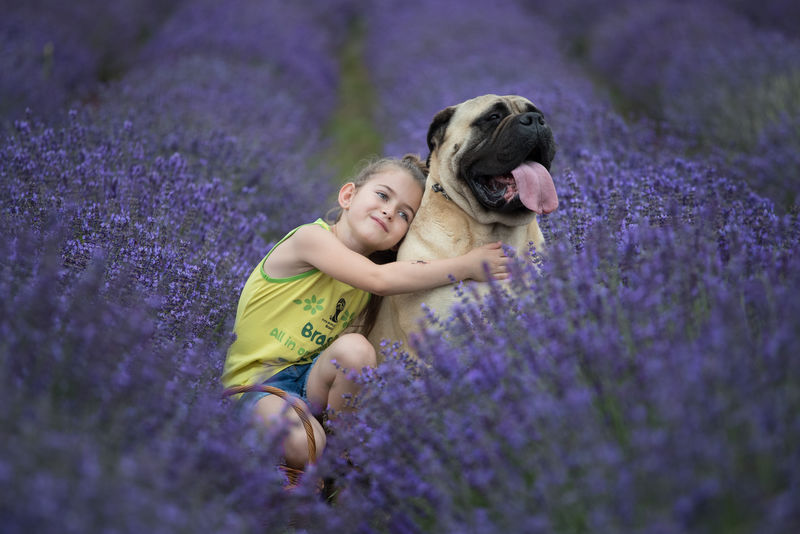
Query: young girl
x=316, y=281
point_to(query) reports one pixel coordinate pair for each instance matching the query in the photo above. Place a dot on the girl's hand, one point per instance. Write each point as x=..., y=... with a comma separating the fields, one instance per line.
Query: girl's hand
x=491, y=254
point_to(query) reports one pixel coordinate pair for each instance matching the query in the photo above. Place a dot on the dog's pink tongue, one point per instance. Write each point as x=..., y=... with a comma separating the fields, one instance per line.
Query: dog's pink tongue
x=536, y=188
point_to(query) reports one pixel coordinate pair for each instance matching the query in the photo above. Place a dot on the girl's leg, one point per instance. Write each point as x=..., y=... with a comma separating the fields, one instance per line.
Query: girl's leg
x=328, y=383
x=269, y=410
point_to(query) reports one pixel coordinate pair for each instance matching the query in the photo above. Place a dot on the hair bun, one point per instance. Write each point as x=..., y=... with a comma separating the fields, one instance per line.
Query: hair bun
x=415, y=160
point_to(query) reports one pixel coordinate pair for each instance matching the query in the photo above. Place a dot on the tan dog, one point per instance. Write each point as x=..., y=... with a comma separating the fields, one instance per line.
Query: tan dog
x=489, y=160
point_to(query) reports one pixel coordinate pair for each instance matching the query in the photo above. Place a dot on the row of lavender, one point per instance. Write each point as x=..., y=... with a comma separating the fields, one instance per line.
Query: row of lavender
x=724, y=73
x=128, y=228
x=56, y=53
x=645, y=381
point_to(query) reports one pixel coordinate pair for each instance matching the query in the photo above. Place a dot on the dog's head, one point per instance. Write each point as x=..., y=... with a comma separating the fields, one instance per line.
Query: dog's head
x=492, y=156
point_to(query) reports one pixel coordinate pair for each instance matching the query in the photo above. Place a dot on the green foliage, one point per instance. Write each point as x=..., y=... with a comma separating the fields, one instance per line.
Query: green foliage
x=351, y=131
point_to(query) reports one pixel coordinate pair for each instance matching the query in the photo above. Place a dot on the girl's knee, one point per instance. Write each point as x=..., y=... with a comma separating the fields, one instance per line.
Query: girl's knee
x=272, y=410
x=296, y=446
x=355, y=352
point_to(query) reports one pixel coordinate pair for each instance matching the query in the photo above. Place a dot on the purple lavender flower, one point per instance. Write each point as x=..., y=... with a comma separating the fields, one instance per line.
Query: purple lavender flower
x=705, y=70
x=641, y=378
x=55, y=53
x=615, y=389
x=123, y=263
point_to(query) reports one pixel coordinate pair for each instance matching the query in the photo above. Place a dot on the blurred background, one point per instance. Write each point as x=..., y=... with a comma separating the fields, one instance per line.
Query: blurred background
x=644, y=379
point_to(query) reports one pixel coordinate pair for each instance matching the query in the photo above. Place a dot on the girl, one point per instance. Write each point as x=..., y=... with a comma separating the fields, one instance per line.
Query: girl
x=312, y=284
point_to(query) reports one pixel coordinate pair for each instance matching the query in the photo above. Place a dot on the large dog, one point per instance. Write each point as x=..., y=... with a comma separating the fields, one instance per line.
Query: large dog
x=489, y=176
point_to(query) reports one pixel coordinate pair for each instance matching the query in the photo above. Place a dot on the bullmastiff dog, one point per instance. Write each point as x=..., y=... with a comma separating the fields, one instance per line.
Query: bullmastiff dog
x=488, y=177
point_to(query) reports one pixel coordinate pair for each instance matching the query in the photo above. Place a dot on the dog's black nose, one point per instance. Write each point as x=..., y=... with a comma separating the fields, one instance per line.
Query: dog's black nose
x=528, y=119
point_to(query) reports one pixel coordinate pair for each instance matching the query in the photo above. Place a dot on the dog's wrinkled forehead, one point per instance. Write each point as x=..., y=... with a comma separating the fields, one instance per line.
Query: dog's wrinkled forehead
x=474, y=113
x=507, y=105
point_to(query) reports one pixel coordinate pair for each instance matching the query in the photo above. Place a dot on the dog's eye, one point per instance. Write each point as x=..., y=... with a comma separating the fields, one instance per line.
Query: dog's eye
x=494, y=117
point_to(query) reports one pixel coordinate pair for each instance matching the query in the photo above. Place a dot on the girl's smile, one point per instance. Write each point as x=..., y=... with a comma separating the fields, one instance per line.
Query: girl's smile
x=381, y=224
x=377, y=214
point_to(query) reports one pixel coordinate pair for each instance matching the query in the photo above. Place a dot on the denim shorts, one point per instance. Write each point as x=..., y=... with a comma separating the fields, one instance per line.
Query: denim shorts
x=292, y=380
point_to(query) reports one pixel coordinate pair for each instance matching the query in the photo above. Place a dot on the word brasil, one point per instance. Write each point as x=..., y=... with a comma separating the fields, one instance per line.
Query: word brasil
x=317, y=337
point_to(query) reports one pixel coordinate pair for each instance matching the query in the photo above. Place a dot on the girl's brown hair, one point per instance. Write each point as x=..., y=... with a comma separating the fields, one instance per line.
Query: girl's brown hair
x=418, y=170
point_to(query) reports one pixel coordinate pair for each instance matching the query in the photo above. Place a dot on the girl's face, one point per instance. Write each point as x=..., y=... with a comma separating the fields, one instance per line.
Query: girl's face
x=381, y=210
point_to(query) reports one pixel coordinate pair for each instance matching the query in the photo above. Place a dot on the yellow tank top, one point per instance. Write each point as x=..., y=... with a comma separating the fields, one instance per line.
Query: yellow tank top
x=287, y=321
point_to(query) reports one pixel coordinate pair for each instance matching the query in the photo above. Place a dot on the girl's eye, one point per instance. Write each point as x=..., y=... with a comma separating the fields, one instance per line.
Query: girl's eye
x=403, y=214
x=382, y=195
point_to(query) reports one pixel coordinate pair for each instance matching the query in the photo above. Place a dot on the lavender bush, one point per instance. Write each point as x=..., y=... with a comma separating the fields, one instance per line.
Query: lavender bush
x=126, y=240
x=121, y=272
x=57, y=52
x=33, y=75
x=242, y=90
x=707, y=71
x=642, y=379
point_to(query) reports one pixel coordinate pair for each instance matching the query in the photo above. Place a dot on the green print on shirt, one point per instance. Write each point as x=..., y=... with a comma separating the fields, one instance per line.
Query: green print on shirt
x=315, y=336
x=313, y=305
x=346, y=318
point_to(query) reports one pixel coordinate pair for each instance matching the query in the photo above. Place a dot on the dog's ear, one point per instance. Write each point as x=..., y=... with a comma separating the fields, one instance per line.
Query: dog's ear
x=438, y=126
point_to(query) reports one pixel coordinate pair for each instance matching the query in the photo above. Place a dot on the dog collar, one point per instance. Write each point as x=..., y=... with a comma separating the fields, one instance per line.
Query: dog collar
x=439, y=189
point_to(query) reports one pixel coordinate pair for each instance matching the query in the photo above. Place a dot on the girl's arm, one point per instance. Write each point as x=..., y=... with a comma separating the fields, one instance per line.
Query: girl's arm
x=319, y=248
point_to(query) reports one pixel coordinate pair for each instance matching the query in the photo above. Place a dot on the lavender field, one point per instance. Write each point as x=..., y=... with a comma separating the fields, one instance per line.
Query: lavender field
x=644, y=378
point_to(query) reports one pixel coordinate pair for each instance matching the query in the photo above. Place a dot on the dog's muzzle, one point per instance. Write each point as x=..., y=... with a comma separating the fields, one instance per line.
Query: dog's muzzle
x=511, y=172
